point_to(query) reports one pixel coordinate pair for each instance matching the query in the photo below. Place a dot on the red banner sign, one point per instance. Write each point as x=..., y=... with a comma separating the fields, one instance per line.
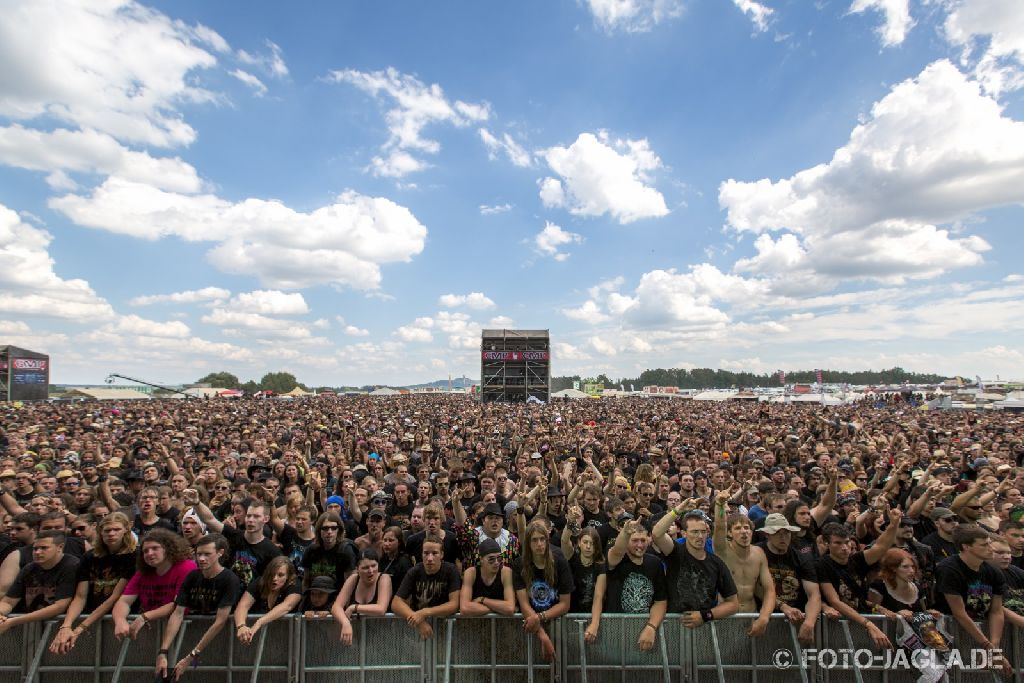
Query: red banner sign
x=28, y=363
x=516, y=355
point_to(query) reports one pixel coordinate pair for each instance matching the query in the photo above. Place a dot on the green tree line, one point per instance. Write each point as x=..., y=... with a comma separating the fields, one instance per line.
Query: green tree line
x=706, y=378
x=278, y=382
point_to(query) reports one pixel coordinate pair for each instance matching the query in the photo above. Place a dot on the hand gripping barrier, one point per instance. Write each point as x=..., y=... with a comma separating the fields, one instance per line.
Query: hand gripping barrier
x=483, y=650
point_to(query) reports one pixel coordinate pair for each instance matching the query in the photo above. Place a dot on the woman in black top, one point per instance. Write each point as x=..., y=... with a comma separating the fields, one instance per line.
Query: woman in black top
x=897, y=592
x=367, y=592
x=589, y=573
x=275, y=594
x=394, y=562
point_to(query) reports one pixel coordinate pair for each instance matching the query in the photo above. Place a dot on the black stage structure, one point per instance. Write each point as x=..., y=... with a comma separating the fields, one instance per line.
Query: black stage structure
x=515, y=365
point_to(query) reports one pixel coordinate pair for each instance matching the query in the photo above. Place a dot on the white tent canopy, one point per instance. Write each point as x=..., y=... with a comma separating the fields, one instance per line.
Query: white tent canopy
x=569, y=393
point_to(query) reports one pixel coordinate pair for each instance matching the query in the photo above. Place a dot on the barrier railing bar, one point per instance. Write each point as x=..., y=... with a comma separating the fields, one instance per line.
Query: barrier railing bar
x=30, y=677
x=121, y=656
x=259, y=656
x=583, y=650
x=718, y=653
x=797, y=652
x=494, y=650
x=663, y=646
x=849, y=641
x=450, y=624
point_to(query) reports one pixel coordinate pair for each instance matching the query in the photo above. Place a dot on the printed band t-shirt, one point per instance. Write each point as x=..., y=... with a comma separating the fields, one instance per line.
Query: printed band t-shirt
x=544, y=596
x=200, y=595
x=634, y=588
x=954, y=577
x=694, y=585
x=420, y=589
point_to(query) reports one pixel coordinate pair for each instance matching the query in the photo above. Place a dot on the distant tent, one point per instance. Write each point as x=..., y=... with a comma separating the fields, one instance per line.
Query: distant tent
x=385, y=391
x=297, y=391
x=230, y=393
x=569, y=393
x=105, y=394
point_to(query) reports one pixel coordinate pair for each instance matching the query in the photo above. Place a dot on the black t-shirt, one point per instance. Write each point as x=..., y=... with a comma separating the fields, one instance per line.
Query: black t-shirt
x=141, y=528
x=585, y=580
x=954, y=577
x=400, y=514
x=941, y=548
x=544, y=595
x=849, y=580
x=789, y=572
x=200, y=595
x=420, y=589
x=249, y=559
x=1013, y=596
x=335, y=563
x=294, y=547
x=634, y=588
x=103, y=573
x=450, y=551
x=694, y=585
x=594, y=519
x=36, y=587
x=396, y=568
x=259, y=603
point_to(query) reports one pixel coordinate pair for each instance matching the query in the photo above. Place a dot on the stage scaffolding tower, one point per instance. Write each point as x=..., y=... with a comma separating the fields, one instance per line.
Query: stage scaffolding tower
x=515, y=365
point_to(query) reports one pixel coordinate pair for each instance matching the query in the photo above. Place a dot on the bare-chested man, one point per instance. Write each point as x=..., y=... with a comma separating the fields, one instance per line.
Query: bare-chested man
x=748, y=564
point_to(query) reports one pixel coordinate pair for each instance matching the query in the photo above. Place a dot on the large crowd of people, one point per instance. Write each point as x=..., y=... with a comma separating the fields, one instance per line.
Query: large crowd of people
x=428, y=506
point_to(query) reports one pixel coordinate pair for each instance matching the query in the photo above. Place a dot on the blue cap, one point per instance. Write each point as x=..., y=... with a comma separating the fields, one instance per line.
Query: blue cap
x=336, y=500
x=374, y=456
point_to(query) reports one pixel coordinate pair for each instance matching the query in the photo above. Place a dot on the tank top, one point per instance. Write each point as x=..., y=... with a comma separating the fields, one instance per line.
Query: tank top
x=373, y=598
x=495, y=591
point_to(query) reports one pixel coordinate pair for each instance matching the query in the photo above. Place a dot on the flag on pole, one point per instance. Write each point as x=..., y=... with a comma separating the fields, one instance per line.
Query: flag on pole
x=782, y=377
x=817, y=374
x=981, y=385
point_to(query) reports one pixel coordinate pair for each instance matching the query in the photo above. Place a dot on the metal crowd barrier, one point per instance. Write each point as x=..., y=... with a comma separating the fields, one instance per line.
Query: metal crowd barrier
x=481, y=650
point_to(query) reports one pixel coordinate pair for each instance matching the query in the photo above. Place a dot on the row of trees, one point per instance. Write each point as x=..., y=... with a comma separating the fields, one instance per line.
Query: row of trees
x=278, y=382
x=706, y=378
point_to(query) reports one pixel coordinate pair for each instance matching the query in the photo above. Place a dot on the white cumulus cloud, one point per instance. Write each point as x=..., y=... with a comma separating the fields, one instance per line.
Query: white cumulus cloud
x=759, y=14
x=28, y=283
x=633, y=16
x=898, y=21
x=515, y=152
x=550, y=240
x=416, y=106
x=475, y=300
x=933, y=151
x=63, y=151
x=187, y=297
x=252, y=81
x=343, y=243
x=600, y=175
x=270, y=302
x=991, y=36
x=88, y=78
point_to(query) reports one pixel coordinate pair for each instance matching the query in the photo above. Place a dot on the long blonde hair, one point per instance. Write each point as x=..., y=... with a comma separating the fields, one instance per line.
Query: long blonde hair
x=127, y=542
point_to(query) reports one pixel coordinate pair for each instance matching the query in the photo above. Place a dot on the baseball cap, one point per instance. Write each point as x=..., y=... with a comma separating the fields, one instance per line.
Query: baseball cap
x=488, y=546
x=940, y=513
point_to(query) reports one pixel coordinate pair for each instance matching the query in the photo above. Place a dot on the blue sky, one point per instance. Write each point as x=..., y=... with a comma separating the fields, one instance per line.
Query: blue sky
x=351, y=192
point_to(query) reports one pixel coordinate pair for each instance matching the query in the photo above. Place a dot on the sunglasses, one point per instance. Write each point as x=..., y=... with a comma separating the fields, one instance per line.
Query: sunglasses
x=79, y=529
x=329, y=527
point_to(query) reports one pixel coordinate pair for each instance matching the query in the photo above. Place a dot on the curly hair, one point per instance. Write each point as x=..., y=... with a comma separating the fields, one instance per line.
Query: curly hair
x=175, y=546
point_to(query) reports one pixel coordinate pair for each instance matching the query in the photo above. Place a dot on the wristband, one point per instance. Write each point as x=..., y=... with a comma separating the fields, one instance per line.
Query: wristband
x=163, y=651
x=652, y=626
x=707, y=615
